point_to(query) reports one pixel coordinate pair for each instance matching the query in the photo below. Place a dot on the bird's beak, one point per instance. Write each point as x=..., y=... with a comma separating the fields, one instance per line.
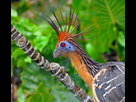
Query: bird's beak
x=57, y=53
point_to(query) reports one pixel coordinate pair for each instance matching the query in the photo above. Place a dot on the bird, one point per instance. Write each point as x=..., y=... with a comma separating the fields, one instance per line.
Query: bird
x=107, y=80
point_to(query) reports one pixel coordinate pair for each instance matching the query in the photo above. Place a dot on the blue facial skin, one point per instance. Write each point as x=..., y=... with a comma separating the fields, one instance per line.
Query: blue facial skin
x=61, y=50
x=68, y=47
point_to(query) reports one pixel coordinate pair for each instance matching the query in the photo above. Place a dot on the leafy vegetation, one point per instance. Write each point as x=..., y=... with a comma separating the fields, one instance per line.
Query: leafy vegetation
x=107, y=36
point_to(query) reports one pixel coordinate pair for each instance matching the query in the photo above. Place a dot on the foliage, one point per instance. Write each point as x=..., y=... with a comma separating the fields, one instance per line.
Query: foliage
x=108, y=20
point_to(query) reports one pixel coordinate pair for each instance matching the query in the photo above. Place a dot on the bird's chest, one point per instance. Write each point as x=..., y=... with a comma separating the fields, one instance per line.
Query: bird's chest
x=85, y=75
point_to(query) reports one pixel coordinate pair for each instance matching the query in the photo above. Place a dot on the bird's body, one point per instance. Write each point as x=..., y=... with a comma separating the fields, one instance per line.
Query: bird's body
x=109, y=83
x=106, y=79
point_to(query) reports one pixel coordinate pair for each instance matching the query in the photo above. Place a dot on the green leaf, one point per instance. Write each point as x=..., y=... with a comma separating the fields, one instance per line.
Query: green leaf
x=62, y=95
x=42, y=94
x=104, y=15
x=23, y=31
x=41, y=41
x=17, y=52
x=110, y=12
x=27, y=24
x=45, y=28
x=14, y=16
x=76, y=4
x=28, y=60
x=32, y=75
x=92, y=51
x=20, y=94
x=11, y=68
x=20, y=61
x=37, y=33
x=13, y=13
x=121, y=38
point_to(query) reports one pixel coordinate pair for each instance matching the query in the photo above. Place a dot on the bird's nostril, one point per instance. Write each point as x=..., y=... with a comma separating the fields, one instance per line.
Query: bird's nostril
x=55, y=51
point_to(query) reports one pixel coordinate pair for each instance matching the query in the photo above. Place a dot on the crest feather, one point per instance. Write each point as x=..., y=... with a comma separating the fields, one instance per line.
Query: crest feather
x=64, y=34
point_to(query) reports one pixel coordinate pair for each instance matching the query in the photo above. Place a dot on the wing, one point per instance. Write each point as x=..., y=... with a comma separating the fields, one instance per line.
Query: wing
x=109, y=83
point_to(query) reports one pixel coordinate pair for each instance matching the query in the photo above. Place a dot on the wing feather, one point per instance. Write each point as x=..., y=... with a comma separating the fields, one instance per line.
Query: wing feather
x=110, y=83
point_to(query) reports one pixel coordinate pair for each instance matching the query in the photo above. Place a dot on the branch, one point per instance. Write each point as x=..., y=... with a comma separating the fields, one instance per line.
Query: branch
x=54, y=68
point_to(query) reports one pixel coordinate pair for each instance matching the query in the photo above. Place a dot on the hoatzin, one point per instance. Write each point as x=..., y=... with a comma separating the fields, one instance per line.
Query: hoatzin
x=107, y=80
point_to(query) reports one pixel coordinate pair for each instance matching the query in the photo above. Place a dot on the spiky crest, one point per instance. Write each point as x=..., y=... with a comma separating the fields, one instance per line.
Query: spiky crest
x=66, y=34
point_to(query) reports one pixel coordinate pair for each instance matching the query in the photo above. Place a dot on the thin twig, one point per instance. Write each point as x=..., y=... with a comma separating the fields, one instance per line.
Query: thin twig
x=54, y=68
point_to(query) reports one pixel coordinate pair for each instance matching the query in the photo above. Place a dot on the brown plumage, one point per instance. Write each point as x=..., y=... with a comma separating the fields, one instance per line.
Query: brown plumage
x=106, y=79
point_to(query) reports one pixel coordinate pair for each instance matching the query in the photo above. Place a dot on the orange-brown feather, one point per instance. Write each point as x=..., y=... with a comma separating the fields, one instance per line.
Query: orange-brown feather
x=79, y=65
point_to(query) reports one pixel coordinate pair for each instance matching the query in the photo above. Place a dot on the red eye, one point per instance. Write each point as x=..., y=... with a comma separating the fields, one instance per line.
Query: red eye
x=62, y=44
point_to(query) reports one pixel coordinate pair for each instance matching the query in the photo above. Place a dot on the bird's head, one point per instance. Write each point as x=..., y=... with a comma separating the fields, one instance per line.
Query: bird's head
x=63, y=48
x=66, y=44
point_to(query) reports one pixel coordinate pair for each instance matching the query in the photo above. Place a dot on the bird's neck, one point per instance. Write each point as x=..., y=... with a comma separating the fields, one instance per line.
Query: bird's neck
x=86, y=67
x=80, y=59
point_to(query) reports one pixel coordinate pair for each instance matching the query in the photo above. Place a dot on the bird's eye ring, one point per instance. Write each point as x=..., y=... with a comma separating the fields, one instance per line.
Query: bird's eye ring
x=62, y=44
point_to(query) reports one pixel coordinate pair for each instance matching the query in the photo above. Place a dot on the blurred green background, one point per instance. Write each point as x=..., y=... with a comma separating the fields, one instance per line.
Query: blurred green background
x=30, y=83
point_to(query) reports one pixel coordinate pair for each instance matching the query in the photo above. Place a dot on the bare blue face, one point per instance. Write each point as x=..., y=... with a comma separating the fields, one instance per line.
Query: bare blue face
x=63, y=47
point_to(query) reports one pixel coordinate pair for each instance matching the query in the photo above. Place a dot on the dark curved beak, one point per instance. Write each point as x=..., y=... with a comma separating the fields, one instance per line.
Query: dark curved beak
x=57, y=53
